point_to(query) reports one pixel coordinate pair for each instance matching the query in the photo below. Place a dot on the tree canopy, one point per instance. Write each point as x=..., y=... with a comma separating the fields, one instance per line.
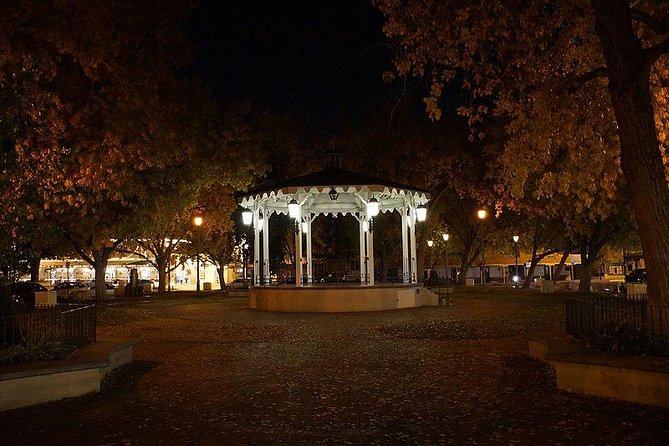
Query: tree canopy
x=101, y=134
x=578, y=85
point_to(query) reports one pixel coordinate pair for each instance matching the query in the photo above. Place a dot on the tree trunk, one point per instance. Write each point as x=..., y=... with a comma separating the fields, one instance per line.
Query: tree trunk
x=221, y=275
x=589, y=256
x=100, y=288
x=585, y=279
x=100, y=260
x=530, y=273
x=629, y=67
x=161, y=264
x=560, y=267
x=533, y=265
x=34, y=268
x=466, y=263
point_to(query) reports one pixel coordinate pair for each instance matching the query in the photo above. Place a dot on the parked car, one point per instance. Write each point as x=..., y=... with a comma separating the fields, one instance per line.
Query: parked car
x=334, y=277
x=238, y=284
x=108, y=285
x=24, y=292
x=637, y=276
x=70, y=290
x=144, y=283
x=351, y=277
x=342, y=277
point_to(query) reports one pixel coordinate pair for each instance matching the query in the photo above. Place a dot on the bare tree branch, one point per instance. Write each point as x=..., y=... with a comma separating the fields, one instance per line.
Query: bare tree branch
x=82, y=253
x=654, y=52
x=658, y=26
x=139, y=254
x=578, y=81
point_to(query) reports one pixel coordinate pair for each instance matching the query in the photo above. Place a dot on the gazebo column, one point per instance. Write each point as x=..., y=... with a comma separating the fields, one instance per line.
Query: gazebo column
x=310, y=271
x=363, y=255
x=406, y=276
x=298, y=253
x=256, y=247
x=267, y=277
x=412, y=235
x=370, y=252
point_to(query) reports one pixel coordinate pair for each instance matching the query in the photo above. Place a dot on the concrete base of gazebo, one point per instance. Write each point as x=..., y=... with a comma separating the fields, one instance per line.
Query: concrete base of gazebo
x=336, y=299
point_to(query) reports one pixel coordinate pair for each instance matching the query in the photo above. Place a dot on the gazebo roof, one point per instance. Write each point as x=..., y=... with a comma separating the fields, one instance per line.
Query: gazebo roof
x=333, y=177
x=354, y=189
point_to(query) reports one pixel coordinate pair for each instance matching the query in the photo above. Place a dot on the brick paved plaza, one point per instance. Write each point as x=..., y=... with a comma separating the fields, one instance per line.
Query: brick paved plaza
x=209, y=371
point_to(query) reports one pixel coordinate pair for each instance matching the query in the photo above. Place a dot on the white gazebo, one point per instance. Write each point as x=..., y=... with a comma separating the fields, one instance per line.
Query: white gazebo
x=335, y=191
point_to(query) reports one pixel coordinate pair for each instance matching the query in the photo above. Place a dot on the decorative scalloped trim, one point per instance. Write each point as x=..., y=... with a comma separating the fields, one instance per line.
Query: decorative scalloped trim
x=387, y=197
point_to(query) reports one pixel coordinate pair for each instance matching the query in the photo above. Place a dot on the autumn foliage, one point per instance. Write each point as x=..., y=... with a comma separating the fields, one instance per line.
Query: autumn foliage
x=579, y=86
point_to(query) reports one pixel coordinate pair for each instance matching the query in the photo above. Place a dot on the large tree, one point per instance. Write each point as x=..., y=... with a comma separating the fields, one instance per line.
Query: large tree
x=603, y=60
x=540, y=54
x=94, y=114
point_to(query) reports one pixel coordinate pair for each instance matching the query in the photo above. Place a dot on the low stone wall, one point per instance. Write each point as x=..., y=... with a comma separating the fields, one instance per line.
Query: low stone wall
x=636, y=379
x=79, y=374
x=326, y=299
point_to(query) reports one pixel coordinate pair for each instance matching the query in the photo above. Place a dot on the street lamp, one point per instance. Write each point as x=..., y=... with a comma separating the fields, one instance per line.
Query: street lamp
x=448, y=276
x=482, y=214
x=247, y=216
x=430, y=243
x=294, y=212
x=421, y=213
x=516, y=277
x=294, y=209
x=372, y=207
x=197, y=221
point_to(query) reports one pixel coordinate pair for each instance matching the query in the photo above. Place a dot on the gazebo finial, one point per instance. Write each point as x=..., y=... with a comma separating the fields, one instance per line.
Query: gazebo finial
x=333, y=157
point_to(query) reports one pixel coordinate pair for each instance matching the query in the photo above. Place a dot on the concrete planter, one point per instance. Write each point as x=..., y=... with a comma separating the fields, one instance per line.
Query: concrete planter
x=47, y=298
x=81, y=373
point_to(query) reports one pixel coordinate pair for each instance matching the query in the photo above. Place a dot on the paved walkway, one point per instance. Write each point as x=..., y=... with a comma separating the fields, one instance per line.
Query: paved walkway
x=209, y=371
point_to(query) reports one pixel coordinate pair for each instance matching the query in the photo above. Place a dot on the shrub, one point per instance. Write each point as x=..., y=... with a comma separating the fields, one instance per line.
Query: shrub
x=630, y=340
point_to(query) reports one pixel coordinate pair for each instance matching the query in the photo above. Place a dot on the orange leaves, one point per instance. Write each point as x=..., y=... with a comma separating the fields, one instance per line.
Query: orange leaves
x=518, y=61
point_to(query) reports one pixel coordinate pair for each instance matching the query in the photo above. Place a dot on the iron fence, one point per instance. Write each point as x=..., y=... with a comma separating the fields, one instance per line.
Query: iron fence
x=60, y=329
x=619, y=324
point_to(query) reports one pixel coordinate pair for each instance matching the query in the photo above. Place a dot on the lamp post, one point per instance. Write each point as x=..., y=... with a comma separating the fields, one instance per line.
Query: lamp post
x=294, y=211
x=482, y=214
x=516, y=277
x=245, y=255
x=448, y=275
x=430, y=243
x=197, y=221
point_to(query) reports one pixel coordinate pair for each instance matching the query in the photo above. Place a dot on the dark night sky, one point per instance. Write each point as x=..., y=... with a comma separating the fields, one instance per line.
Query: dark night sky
x=325, y=57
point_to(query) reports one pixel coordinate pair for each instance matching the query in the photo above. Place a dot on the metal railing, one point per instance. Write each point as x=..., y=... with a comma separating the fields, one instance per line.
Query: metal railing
x=64, y=328
x=621, y=324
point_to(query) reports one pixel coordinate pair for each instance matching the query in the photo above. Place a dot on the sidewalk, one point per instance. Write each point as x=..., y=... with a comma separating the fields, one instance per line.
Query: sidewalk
x=209, y=371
